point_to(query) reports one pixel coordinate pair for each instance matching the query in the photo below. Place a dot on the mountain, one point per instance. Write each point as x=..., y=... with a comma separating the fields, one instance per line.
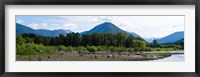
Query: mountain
x=52, y=33
x=171, y=38
x=23, y=29
x=150, y=40
x=181, y=41
x=134, y=34
x=108, y=27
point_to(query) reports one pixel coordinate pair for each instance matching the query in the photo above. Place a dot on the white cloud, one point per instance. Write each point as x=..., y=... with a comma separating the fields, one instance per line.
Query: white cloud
x=20, y=21
x=34, y=26
x=94, y=20
x=43, y=26
x=105, y=18
x=145, y=26
x=102, y=19
x=71, y=27
x=53, y=26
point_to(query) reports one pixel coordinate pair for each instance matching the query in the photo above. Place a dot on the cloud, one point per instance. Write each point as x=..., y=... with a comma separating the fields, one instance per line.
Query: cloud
x=105, y=18
x=53, y=26
x=102, y=19
x=38, y=26
x=20, y=21
x=145, y=26
x=95, y=20
x=71, y=27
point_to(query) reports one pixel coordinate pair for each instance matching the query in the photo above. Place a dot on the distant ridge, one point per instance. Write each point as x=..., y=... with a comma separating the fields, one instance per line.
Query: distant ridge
x=107, y=27
x=20, y=29
x=171, y=38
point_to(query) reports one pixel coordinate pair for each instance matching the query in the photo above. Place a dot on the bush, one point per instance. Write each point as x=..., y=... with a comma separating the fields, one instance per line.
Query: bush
x=69, y=48
x=61, y=47
x=50, y=49
x=91, y=48
x=112, y=48
x=130, y=49
x=100, y=48
x=28, y=49
x=80, y=49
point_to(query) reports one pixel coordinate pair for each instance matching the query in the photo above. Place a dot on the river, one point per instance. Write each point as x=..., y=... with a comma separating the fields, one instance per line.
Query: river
x=172, y=58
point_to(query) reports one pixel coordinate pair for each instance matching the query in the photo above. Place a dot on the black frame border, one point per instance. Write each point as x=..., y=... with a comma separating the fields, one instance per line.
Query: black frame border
x=99, y=2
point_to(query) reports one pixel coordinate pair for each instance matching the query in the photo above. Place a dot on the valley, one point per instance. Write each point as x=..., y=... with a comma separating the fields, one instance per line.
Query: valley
x=104, y=42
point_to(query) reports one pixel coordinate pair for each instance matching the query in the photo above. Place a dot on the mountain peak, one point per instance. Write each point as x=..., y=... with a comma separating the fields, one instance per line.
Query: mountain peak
x=107, y=23
x=106, y=27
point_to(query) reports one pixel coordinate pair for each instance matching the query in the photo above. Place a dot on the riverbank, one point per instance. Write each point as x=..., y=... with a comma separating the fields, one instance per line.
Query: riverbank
x=99, y=56
x=172, y=58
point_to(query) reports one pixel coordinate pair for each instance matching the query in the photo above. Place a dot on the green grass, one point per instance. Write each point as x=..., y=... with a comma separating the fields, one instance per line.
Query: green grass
x=31, y=49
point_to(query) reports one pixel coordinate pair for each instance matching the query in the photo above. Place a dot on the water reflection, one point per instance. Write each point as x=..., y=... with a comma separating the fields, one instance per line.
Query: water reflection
x=173, y=58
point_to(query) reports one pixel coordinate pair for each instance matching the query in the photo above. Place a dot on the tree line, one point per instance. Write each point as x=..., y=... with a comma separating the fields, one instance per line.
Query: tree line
x=97, y=39
x=76, y=39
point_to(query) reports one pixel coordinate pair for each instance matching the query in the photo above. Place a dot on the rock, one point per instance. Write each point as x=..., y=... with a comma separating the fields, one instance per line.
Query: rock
x=61, y=52
x=109, y=56
x=75, y=52
x=138, y=53
x=154, y=57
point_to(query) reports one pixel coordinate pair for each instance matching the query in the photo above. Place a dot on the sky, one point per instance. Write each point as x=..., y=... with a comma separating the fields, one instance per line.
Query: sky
x=145, y=26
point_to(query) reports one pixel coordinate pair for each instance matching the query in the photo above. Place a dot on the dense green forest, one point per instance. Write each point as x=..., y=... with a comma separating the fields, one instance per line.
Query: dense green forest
x=28, y=44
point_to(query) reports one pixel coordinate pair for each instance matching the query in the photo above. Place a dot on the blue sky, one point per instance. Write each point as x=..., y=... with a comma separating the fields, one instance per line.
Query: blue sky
x=145, y=26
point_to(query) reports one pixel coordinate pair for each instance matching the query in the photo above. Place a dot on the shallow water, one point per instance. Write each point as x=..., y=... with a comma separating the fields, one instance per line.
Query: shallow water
x=173, y=58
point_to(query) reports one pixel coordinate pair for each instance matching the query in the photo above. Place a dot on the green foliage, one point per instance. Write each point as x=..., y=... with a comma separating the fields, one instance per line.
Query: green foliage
x=75, y=39
x=81, y=49
x=121, y=38
x=91, y=48
x=20, y=40
x=62, y=48
x=112, y=48
x=28, y=44
x=139, y=44
x=154, y=44
x=129, y=40
x=31, y=48
x=70, y=49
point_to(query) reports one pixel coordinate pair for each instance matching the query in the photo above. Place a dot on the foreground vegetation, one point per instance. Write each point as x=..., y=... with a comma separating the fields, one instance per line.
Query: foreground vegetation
x=31, y=48
x=91, y=57
x=96, y=46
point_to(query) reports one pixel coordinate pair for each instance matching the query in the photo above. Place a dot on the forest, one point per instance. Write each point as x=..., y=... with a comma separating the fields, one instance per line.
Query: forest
x=29, y=44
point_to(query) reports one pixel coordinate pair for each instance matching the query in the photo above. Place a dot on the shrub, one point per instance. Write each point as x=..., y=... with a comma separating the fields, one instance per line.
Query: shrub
x=100, y=48
x=112, y=48
x=91, y=48
x=130, y=49
x=70, y=49
x=61, y=47
x=80, y=49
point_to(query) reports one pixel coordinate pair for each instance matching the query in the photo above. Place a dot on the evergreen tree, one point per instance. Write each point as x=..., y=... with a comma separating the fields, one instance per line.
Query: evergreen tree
x=20, y=40
x=154, y=43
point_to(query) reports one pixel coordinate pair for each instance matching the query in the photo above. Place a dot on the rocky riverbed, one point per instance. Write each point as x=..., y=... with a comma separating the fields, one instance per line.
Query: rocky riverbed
x=99, y=56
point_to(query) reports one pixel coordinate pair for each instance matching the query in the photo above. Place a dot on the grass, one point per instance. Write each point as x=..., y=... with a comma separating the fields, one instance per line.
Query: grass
x=39, y=52
x=31, y=49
